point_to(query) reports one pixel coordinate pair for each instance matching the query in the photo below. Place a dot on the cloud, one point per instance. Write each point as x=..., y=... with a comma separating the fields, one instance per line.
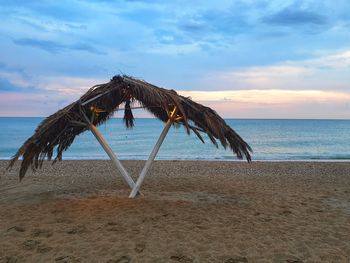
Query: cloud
x=271, y=104
x=28, y=101
x=269, y=96
x=229, y=104
x=13, y=69
x=224, y=45
x=71, y=87
x=68, y=86
x=29, y=104
x=16, y=79
x=85, y=47
x=62, y=10
x=293, y=17
x=6, y=86
x=49, y=25
x=55, y=47
x=50, y=95
x=173, y=49
x=328, y=71
x=211, y=26
x=46, y=45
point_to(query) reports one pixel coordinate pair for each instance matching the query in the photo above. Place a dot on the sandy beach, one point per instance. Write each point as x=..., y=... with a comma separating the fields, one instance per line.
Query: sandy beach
x=191, y=211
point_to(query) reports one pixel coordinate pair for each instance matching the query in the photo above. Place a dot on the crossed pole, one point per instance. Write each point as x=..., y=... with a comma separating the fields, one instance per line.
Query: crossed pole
x=134, y=186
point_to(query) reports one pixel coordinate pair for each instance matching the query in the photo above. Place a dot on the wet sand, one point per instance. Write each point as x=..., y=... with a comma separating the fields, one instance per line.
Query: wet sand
x=191, y=211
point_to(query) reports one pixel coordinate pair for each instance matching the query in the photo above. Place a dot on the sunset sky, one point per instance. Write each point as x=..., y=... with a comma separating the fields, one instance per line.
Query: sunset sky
x=245, y=59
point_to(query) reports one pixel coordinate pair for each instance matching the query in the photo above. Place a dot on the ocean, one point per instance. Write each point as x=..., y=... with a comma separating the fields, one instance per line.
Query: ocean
x=270, y=139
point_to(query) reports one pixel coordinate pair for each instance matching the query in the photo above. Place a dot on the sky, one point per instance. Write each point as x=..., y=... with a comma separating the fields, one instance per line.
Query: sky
x=245, y=59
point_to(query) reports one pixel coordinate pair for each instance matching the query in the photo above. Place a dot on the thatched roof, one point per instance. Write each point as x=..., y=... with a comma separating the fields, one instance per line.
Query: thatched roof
x=59, y=130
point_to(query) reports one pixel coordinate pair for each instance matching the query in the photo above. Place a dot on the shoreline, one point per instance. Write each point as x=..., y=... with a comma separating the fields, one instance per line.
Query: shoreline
x=206, y=160
x=191, y=211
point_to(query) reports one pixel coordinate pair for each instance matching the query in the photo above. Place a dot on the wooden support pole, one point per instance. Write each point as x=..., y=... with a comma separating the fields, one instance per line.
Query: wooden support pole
x=110, y=153
x=152, y=156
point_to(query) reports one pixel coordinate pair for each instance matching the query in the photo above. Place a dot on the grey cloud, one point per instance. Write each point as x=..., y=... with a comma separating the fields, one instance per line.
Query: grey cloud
x=193, y=26
x=46, y=45
x=219, y=27
x=290, y=17
x=86, y=47
x=43, y=25
x=14, y=69
x=54, y=47
x=6, y=86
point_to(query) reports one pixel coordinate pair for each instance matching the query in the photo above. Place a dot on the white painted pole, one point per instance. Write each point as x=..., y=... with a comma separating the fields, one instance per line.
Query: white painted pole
x=112, y=155
x=152, y=156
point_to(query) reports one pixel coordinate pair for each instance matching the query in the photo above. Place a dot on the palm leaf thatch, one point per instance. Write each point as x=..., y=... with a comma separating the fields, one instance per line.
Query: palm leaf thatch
x=98, y=104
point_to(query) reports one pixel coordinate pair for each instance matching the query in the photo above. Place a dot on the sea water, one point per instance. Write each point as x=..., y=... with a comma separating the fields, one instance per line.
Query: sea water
x=270, y=140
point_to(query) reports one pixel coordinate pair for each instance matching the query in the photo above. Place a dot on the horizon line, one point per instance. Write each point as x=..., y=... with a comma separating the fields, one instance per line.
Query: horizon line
x=229, y=118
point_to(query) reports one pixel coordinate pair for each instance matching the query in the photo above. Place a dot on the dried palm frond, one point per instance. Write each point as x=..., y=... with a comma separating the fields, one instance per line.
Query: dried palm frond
x=58, y=131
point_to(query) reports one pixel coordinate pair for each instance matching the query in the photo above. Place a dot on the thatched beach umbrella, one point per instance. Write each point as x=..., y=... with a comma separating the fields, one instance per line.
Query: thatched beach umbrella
x=98, y=104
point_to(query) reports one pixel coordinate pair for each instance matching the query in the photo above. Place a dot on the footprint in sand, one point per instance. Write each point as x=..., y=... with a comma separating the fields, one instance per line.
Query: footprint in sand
x=8, y=259
x=182, y=259
x=35, y=244
x=15, y=230
x=79, y=229
x=237, y=260
x=41, y=233
x=139, y=248
x=31, y=244
x=67, y=259
x=123, y=259
x=43, y=249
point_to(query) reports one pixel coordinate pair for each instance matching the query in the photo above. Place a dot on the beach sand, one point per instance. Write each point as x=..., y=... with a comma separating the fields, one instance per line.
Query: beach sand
x=191, y=211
